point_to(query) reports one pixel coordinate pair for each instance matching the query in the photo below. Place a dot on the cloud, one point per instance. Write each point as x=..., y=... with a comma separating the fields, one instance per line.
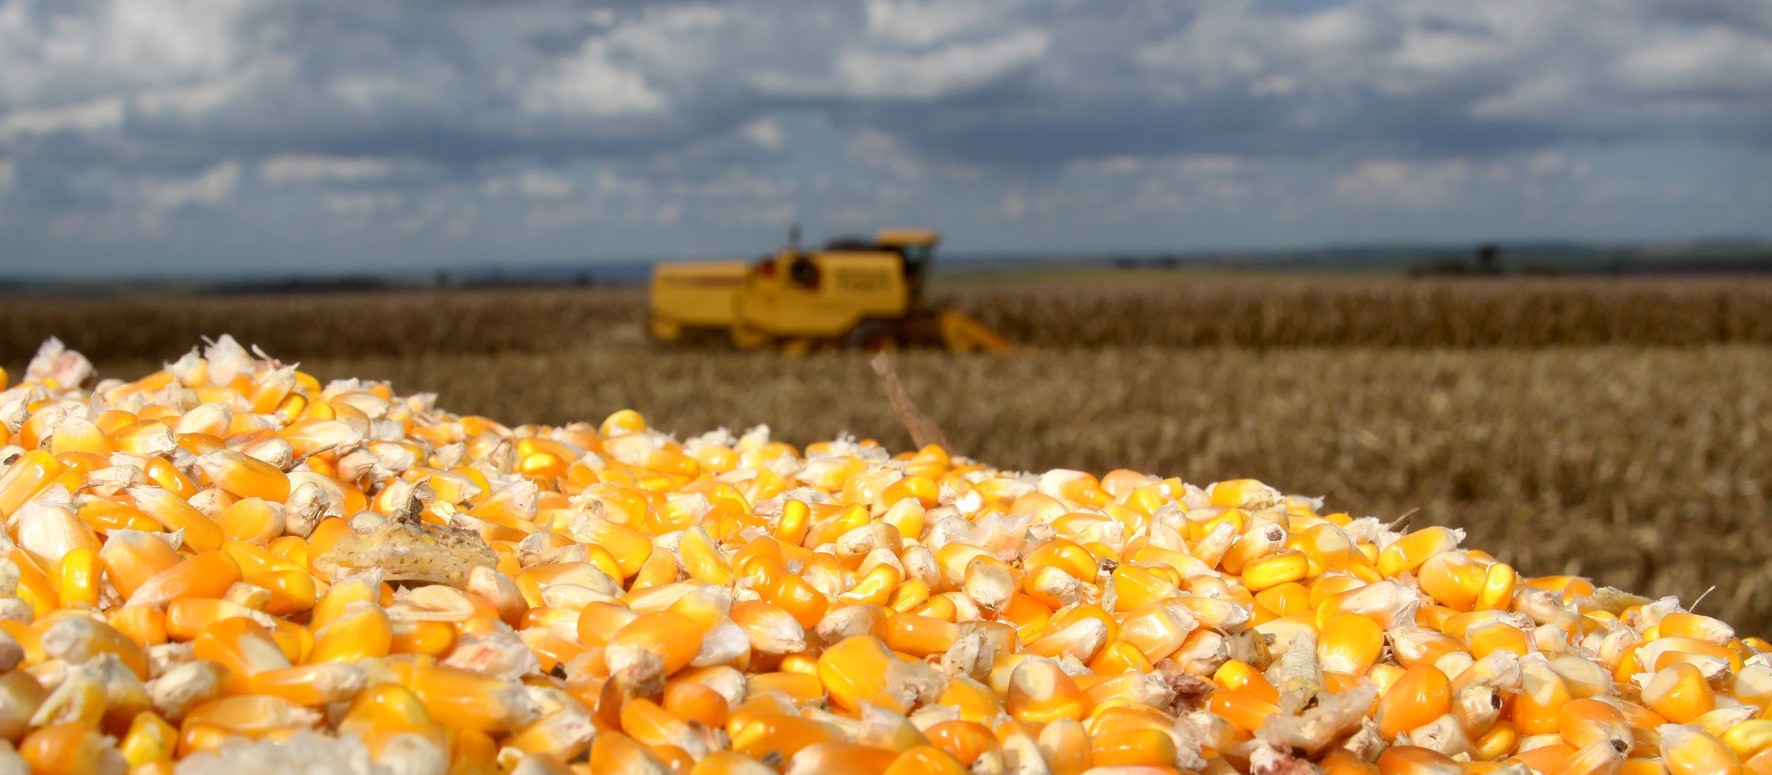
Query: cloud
x=530, y=184
x=914, y=24
x=952, y=71
x=765, y=134
x=364, y=203
x=1401, y=184
x=100, y=115
x=211, y=187
x=307, y=168
x=588, y=84
x=1713, y=62
x=708, y=116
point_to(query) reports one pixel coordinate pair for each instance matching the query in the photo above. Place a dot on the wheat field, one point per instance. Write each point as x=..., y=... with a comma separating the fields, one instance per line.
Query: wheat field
x=1620, y=429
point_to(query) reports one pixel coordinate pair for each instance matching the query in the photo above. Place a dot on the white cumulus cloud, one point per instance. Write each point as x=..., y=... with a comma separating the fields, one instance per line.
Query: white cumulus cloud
x=211, y=187
x=307, y=168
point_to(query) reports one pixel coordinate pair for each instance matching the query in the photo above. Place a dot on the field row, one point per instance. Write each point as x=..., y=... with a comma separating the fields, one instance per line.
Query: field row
x=1650, y=469
x=1251, y=311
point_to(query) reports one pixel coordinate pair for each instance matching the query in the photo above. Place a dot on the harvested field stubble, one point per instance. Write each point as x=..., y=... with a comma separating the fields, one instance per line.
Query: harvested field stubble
x=300, y=325
x=1218, y=311
x=1349, y=312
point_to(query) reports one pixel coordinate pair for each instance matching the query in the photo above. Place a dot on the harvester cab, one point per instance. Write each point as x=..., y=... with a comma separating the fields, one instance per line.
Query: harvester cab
x=853, y=293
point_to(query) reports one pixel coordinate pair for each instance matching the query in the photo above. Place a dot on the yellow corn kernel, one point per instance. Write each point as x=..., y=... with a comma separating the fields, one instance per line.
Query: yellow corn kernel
x=1415, y=760
x=1406, y=554
x=208, y=574
x=1680, y=693
x=313, y=685
x=1274, y=570
x=252, y=520
x=460, y=698
x=1420, y=695
x=1689, y=750
x=70, y=747
x=1499, y=741
x=27, y=475
x=1497, y=593
x=1244, y=710
x=174, y=512
x=79, y=578
x=1143, y=747
x=150, y=739
x=1749, y=738
x=1585, y=721
x=1040, y=692
x=856, y=670
x=131, y=558
x=1350, y=643
x=661, y=643
x=361, y=631
x=292, y=591
x=924, y=760
x=1681, y=624
x=242, y=647
x=1156, y=630
x=145, y=625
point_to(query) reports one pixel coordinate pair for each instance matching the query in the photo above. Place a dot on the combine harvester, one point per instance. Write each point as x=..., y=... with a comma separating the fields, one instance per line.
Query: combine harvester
x=852, y=294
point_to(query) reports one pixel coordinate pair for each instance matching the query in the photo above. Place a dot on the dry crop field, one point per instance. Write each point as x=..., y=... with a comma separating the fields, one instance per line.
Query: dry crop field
x=1616, y=428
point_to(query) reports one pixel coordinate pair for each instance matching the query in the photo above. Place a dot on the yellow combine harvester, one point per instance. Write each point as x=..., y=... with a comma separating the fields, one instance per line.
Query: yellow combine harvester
x=853, y=294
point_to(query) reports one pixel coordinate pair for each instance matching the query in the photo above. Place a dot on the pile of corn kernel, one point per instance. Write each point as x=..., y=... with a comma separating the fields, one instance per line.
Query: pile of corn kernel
x=228, y=567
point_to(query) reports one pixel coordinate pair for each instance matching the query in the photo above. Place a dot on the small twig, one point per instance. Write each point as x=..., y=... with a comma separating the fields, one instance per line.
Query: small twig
x=1397, y=525
x=924, y=431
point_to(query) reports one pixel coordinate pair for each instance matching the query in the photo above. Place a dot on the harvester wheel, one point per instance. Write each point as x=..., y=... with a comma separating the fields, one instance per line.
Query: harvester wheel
x=874, y=336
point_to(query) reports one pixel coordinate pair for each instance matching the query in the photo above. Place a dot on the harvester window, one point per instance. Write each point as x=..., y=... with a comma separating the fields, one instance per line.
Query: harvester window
x=914, y=257
x=803, y=272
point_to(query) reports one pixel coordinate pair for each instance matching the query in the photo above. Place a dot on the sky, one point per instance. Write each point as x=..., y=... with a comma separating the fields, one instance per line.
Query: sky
x=154, y=137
